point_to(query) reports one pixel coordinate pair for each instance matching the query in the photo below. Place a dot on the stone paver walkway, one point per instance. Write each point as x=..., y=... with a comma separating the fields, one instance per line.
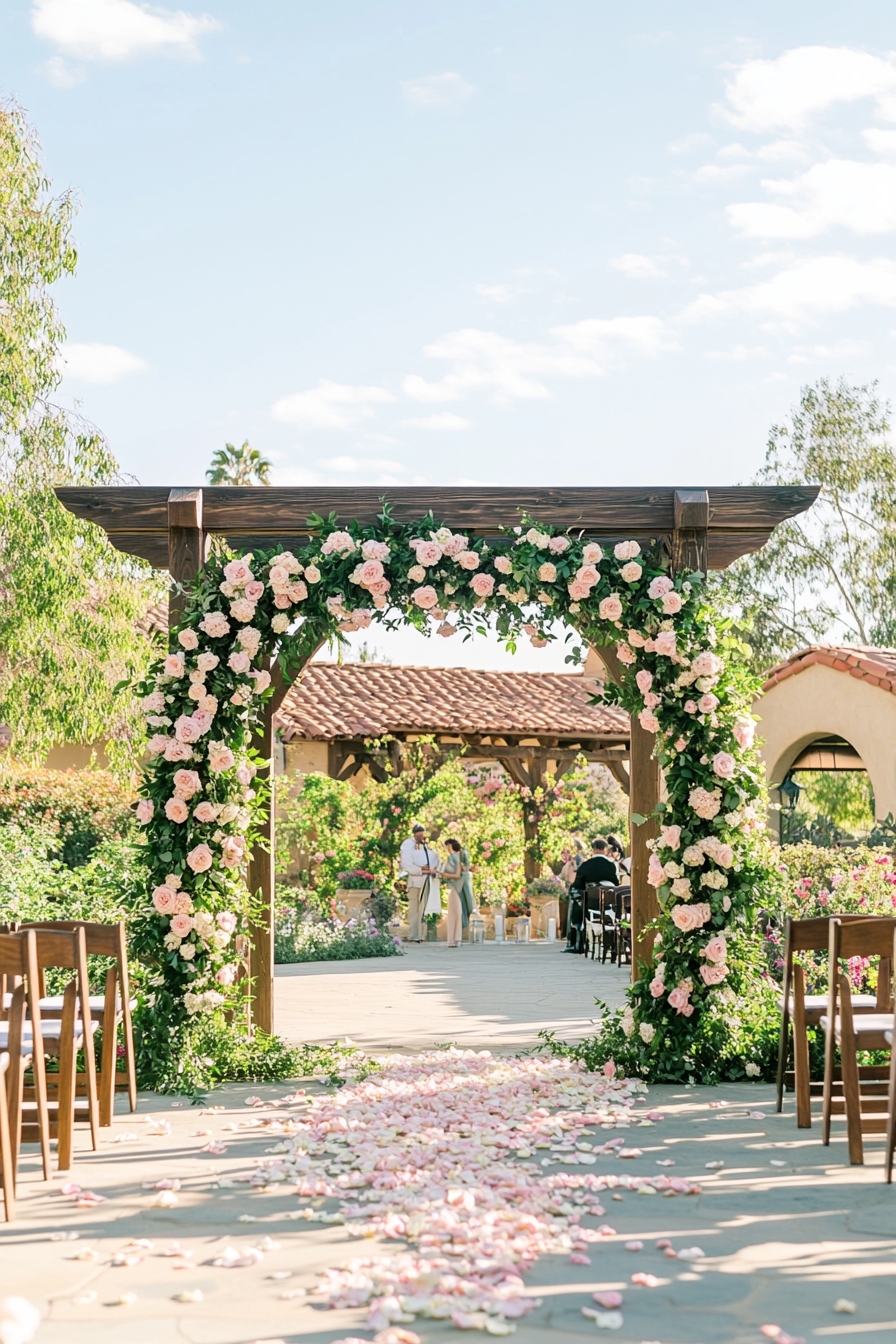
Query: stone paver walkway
x=483, y=997
x=787, y=1229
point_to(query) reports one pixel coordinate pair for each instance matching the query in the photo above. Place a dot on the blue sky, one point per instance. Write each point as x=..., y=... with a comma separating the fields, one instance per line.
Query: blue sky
x=563, y=241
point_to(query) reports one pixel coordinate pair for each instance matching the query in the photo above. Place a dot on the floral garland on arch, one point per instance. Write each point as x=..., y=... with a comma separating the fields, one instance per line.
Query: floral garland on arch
x=685, y=677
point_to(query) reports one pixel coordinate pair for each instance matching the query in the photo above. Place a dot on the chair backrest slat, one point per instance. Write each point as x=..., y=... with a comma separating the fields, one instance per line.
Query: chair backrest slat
x=871, y=936
x=103, y=940
x=813, y=935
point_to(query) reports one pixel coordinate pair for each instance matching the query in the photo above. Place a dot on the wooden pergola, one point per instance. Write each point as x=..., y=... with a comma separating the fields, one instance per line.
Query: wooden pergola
x=698, y=529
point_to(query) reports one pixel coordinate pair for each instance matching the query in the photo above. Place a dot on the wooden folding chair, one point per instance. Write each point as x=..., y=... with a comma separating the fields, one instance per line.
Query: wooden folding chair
x=7, y=1171
x=593, y=926
x=108, y=1010
x=623, y=899
x=806, y=935
x=852, y=1032
x=18, y=965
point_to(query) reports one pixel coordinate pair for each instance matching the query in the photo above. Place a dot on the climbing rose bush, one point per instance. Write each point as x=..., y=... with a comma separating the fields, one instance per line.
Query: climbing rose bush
x=248, y=616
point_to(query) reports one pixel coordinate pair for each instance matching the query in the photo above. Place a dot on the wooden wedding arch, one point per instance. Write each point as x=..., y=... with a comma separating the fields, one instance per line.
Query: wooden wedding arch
x=698, y=529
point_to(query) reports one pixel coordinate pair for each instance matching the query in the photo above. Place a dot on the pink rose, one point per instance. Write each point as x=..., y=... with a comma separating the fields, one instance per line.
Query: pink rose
x=145, y=809
x=282, y=601
x=651, y=701
x=187, y=782
x=503, y=564
x=254, y=590
x=649, y=722
x=644, y=680
x=297, y=592
x=610, y=608
x=375, y=550
x=706, y=664
x=239, y=661
x=341, y=543
x=205, y=812
x=744, y=732
x=587, y=574
x=631, y=572
x=176, y=810
x=182, y=903
x=174, y=665
x=670, y=836
x=226, y=921
x=659, y=586
x=559, y=544
x=664, y=643
x=678, y=998
x=177, y=751
x=609, y=1069
x=278, y=575
x=716, y=949
x=186, y=729
x=370, y=572
x=707, y=703
x=592, y=554
x=724, y=856
x=153, y=703
x=226, y=975
x=483, y=585
x=379, y=588
x=232, y=851
x=636, y=639
x=547, y=572
x=416, y=573
x=312, y=573
x=245, y=774
x=690, y=706
x=626, y=550
x=578, y=591
x=468, y=560
x=207, y=662
x=625, y=654
x=657, y=988
x=215, y=624
x=220, y=757
x=164, y=898
x=181, y=925
x=188, y=639
x=202, y=719
x=425, y=597
x=157, y=743
x=672, y=604
x=242, y=610
x=237, y=572
x=724, y=764
x=200, y=859
x=713, y=975
x=655, y=875
x=704, y=803
x=429, y=553
x=262, y=679
x=454, y=545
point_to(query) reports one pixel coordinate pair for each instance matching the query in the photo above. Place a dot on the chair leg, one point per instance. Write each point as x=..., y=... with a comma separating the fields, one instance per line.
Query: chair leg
x=7, y=1170
x=65, y=1103
x=849, y=1070
x=783, y=1045
x=801, y=1051
x=830, y=1048
x=106, y=1082
x=891, y=1119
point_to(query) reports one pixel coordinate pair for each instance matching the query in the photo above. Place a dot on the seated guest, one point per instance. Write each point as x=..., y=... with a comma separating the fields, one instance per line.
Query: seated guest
x=617, y=854
x=599, y=868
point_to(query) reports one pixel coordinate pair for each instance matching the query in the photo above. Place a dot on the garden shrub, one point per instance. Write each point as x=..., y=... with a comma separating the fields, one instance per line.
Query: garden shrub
x=80, y=808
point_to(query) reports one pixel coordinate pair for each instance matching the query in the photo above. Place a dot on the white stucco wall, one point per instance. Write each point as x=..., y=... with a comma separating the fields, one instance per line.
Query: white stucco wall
x=822, y=702
x=307, y=756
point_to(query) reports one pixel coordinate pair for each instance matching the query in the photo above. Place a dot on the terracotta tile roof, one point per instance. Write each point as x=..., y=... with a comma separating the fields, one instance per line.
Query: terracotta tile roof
x=155, y=621
x=360, y=700
x=867, y=663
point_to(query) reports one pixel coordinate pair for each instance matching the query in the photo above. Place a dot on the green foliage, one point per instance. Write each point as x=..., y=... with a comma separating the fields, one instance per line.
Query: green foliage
x=35, y=885
x=69, y=603
x=834, y=806
x=298, y=939
x=831, y=573
x=80, y=808
x=238, y=466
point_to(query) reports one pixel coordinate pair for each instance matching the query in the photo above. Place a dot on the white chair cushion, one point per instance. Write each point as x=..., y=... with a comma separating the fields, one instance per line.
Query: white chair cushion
x=50, y=1031
x=869, y=1024
x=815, y=1002
x=53, y=1003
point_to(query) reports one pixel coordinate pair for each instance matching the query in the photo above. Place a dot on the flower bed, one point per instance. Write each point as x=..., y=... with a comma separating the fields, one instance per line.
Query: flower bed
x=300, y=938
x=685, y=677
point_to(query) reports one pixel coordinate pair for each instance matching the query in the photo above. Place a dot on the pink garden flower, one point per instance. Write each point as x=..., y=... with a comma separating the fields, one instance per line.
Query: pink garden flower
x=254, y=590
x=226, y=974
x=145, y=809
x=657, y=988
x=724, y=765
x=428, y=553
x=483, y=585
x=578, y=590
x=238, y=573
x=174, y=665
x=186, y=729
x=375, y=550
x=164, y=898
x=416, y=573
x=425, y=597
x=177, y=751
x=659, y=586
x=686, y=918
x=338, y=543
x=215, y=624
x=648, y=721
x=468, y=560
x=200, y=859
x=636, y=639
x=503, y=564
x=559, y=544
x=713, y=975
x=707, y=664
x=625, y=654
x=631, y=572
x=592, y=554
x=745, y=732
x=587, y=574
x=644, y=680
x=651, y=700
x=187, y=782
x=181, y=925
x=278, y=575
x=626, y=550
x=655, y=874
x=707, y=703
x=664, y=643
x=670, y=836
x=207, y=662
x=312, y=573
x=547, y=573
x=370, y=572
x=704, y=803
x=226, y=920
x=233, y=851
x=245, y=773
x=690, y=706
x=297, y=592
x=153, y=703
x=176, y=810
x=672, y=604
x=610, y=608
x=242, y=609
x=220, y=757
x=206, y=813
x=716, y=949
x=188, y=639
x=239, y=661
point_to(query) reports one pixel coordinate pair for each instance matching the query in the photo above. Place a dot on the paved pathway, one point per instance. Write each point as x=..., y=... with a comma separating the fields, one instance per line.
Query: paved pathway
x=485, y=996
x=787, y=1229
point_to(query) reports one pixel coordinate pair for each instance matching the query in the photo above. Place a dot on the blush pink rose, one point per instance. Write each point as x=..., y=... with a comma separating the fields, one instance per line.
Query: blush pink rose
x=655, y=875
x=226, y=920
x=425, y=597
x=342, y=543
x=690, y=706
x=237, y=572
x=200, y=859
x=174, y=665
x=428, y=553
x=625, y=654
x=375, y=550
x=182, y=903
x=651, y=700
x=187, y=782
x=370, y=572
x=245, y=774
x=205, y=812
x=649, y=722
x=626, y=550
x=716, y=949
x=483, y=585
x=254, y=590
x=644, y=680
x=181, y=925
x=226, y=975
x=559, y=544
x=232, y=851
x=578, y=591
x=207, y=662
x=713, y=975
x=724, y=856
x=707, y=664
x=744, y=732
x=659, y=586
x=176, y=810
x=707, y=703
x=610, y=608
x=242, y=609
x=547, y=572
x=188, y=639
x=278, y=575
x=215, y=624
x=297, y=592
x=664, y=643
x=177, y=751
x=631, y=572
x=153, y=703
x=724, y=764
x=592, y=554
x=657, y=988
x=672, y=604
x=678, y=998
x=670, y=836
x=239, y=661
x=468, y=560
x=164, y=899
x=220, y=757
x=186, y=729
x=145, y=809
x=503, y=564
x=587, y=574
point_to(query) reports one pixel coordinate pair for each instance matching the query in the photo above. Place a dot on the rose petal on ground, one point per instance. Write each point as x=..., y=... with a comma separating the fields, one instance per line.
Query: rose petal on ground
x=664, y=1244
x=634, y=1245
x=70, y=1188
x=189, y=1295
x=646, y=1280
x=843, y=1304
x=579, y=1258
x=714, y=1166
x=609, y=1299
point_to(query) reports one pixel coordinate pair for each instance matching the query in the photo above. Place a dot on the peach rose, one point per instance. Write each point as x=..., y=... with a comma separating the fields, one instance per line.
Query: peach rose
x=672, y=604
x=215, y=624
x=503, y=564
x=664, y=643
x=657, y=988
x=592, y=553
x=176, y=810
x=220, y=757
x=468, y=560
x=174, y=665
x=578, y=591
x=340, y=543
x=181, y=925
x=655, y=874
x=716, y=949
x=678, y=999
x=644, y=680
x=707, y=703
x=242, y=609
x=428, y=553
x=237, y=572
x=625, y=654
x=205, y=812
x=145, y=809
x=670, y=836
x=226, y=975
x=547, y=572
x=164, y=898
x=651, y=700
x=559, y=544
x=610, y=608
x=207, y=662
x=631, y=572
x=724, y=764
x=744, y=732
x=425, y=597
x=187, y=782
x=200, y=859
x=188, y=639
x=186, y=729
x=483, y=585
x=254, y=590
x=587, y=574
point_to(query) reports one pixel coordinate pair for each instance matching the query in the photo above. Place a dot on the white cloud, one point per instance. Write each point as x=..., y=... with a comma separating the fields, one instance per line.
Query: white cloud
x=495, y=293
x=354, y=465
x=99, y=363
x=484, y=361
x=807, y=289
x=442, y=420
x=880, y=142
x=841, y=192
x=689, y=143
x=738, y=353
x=445, y=90
x=788, y=91
x=636, y=266
x=61, y=74
x=330, y=405
x=117, y=30
x=720, y=172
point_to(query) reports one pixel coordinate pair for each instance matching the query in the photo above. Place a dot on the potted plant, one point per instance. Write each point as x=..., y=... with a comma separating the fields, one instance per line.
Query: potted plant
x=353, y=893
x=544, y=895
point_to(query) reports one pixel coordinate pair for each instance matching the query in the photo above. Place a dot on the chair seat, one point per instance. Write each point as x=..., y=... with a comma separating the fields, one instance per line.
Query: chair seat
x=50, y=1031
x=816, y=1002
x=869, y=1024
x=53, y=1004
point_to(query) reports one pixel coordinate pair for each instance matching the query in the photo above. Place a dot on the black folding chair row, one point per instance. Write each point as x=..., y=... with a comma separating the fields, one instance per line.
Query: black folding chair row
x=608, y=922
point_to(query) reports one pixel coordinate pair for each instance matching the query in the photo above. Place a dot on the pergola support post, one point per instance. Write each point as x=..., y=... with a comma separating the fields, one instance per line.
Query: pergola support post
x=261, y=885
x=643, y=797
x=187, y=546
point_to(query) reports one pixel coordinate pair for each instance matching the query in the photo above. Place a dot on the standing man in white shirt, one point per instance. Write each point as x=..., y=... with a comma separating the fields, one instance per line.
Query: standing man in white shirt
x=419, y=862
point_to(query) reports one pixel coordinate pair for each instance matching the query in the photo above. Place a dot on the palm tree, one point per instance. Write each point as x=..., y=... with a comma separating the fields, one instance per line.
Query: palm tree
x=238, y=466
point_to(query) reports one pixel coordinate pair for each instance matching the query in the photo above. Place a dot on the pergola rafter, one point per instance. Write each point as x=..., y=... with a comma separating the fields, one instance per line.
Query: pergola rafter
x=698, y=529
